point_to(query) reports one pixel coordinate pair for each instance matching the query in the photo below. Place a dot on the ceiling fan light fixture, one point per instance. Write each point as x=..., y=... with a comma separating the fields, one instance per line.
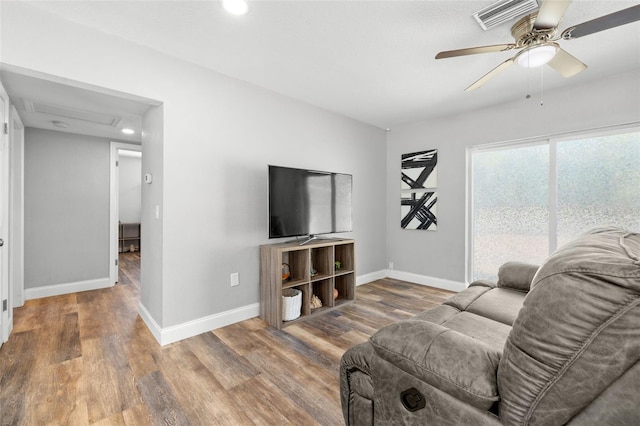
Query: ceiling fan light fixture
x=536, y=56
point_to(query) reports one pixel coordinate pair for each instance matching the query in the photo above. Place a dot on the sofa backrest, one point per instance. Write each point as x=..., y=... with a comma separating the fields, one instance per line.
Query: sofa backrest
x=577, y=332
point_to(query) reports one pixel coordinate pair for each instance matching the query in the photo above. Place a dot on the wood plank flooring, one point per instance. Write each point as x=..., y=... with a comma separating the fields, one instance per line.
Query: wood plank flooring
x=87, y=358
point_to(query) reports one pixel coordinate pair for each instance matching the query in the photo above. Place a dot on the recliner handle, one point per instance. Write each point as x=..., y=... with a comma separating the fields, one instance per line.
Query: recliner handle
x=412, y=399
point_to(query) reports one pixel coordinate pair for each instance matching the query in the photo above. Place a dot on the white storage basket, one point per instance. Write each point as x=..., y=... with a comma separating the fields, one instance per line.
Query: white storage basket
x=291, y=304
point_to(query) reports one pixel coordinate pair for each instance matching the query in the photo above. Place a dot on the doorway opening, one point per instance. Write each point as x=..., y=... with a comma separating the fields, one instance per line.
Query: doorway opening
x=126, y=207
x=41, y=102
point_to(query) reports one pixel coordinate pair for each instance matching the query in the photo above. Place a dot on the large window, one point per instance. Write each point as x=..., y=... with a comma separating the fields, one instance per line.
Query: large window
x=528, y=199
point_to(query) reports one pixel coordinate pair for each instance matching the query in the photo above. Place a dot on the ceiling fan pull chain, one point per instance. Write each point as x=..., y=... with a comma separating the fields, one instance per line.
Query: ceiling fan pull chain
x=541, y=86
x=528, y=84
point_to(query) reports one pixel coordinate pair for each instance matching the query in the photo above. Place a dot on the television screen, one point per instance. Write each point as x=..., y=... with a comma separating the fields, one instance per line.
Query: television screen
x=308, y=202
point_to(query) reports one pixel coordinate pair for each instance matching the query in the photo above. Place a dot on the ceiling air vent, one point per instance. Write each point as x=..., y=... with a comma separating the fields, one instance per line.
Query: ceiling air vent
x=75, y=114
x=503, y=11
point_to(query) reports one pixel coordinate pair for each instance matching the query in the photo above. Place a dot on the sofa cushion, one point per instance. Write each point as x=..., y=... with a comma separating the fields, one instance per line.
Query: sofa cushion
x=470, y=324
x=488, y=318
x=486, y=330
x=577, y=331
x=462, y=300
x=438, y=315
x=499, y=304
x=457, y=364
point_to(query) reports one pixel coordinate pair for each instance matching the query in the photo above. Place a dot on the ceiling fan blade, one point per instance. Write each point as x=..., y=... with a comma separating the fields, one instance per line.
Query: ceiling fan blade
x=566, y=64
x=550, y=14
x=488, y=76
x=602, y=23
x=475, y=50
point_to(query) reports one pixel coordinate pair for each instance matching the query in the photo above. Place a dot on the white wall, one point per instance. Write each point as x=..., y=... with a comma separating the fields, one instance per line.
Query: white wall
x=129, y=189
x=441, y=254
x=218, y=136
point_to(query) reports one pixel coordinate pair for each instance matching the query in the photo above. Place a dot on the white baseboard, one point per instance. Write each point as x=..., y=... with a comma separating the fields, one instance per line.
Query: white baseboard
x=66, y=288
x=151, y=324
x=370, y=277
x=10, y=328
x=175, y=333
x=172, y=334
x=428, y=281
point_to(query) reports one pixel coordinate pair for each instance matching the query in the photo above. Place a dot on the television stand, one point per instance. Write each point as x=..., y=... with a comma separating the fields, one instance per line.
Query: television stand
x=318, y=268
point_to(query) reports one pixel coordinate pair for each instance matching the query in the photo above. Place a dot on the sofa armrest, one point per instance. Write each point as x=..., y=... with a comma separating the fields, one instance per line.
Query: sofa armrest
x=517, y=275
x=356, y=385
x=483, y=283
x=459, y=365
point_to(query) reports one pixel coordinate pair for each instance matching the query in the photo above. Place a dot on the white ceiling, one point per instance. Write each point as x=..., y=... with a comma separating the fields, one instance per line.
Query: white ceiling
x=369, y=60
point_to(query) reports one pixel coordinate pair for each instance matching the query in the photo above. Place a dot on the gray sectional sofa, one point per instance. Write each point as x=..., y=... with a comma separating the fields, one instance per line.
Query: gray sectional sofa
x=558, y=344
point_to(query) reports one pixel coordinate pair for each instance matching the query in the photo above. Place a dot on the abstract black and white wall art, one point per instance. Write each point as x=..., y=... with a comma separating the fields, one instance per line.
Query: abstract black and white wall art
x=418, y=203
x=419, y=210
x=419, y=170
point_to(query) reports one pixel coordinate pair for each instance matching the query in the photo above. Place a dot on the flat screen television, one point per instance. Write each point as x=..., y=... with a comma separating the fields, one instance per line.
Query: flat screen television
x=308, y=202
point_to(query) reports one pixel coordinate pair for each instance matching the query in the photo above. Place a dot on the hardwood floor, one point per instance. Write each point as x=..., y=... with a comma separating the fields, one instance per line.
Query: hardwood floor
x=87, y=358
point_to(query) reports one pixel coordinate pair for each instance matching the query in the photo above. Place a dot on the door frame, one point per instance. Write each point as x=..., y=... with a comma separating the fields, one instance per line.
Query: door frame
x=113, y=205
x=16, y=215
x=5, y=291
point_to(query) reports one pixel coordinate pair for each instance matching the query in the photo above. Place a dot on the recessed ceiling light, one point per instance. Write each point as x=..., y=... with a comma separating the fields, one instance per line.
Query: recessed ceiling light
x=235, y=7
x=128, y=131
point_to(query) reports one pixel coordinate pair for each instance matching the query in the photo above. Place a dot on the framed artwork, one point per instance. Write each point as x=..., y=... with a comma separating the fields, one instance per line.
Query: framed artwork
x=418, y=182
x=419, y=170
x=418, y=210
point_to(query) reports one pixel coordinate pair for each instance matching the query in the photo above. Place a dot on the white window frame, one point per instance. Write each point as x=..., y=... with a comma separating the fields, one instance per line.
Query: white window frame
x=552, y=142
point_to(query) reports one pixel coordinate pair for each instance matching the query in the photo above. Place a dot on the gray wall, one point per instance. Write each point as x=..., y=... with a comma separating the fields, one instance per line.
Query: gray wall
x=129, y=189
x=441, y=254
x=66, y=192
x=151, y=244
x=215, y=184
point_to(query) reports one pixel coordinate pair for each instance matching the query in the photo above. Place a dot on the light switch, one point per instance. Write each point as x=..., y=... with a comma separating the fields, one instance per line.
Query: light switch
x=235, y=279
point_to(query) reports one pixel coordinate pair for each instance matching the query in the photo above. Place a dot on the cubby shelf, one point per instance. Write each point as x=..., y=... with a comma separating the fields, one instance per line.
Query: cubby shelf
x=128, y=237
x=317, y=255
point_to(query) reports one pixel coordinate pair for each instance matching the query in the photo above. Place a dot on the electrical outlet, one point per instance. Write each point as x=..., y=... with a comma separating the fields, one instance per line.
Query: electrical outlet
x=391, y=266
x=235, y=279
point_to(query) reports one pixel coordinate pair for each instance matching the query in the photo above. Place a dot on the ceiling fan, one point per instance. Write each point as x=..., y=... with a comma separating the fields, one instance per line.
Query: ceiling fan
x=536, y=34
